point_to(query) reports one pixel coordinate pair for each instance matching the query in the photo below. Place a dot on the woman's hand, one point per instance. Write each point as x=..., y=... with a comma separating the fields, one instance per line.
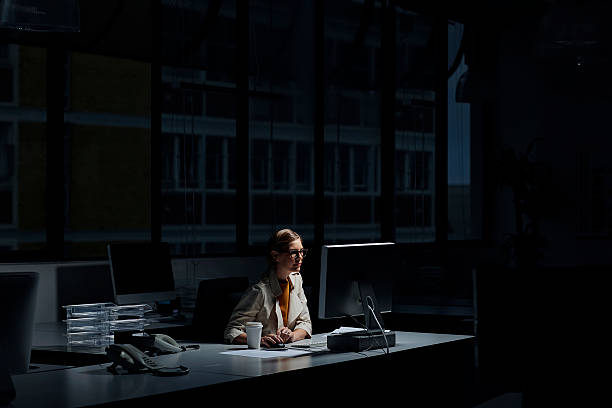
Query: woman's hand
x=270, y=339
x=285, y=334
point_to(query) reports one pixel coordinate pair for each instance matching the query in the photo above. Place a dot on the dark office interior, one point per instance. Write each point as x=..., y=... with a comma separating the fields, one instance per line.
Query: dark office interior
x=470, y=133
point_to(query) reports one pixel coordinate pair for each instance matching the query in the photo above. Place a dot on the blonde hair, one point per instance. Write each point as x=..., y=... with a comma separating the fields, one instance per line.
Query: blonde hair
x=279, y=241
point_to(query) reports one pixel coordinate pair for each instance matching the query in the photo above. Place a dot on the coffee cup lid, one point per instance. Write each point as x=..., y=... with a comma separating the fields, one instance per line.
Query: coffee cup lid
x=255, y=324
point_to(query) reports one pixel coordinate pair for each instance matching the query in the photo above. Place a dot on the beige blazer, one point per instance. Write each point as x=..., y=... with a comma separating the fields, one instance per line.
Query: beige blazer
x=260, y=304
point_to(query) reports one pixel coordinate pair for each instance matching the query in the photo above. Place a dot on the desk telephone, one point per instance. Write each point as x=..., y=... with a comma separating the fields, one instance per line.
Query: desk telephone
x=134, y=360
x=158, y=344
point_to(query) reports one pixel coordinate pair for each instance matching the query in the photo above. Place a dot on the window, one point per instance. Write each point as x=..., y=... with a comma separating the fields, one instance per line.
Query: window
x=107, y=153
x=303, y=166
x=415, y=129
x=220, y=209
x=7, y=173
x=281, y=144
x=282, y=153
x=362, y=162
x=259, y=164
x=209, y=175
x=352, y=133
x=182, y=208
x=8, y=73
x=23, y=175
x=181, y=160
x=199, y=128
x=220, y=105
x=215, y=148
x=460, y=190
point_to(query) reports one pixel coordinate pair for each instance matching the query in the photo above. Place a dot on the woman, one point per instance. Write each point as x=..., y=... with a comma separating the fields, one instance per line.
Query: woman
x=277, y=300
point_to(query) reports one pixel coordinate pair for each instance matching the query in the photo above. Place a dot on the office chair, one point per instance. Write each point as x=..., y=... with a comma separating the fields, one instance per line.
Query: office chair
x=17, y=307
x=216, y=299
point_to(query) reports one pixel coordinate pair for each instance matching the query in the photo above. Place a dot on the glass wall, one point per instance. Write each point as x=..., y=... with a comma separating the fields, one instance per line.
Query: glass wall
x=22, y=148
x=352, y=121
x=198, y=144
x=281, y=83
x=459, y=146
x=209, y=160
x=107, y=152
x=415, y=131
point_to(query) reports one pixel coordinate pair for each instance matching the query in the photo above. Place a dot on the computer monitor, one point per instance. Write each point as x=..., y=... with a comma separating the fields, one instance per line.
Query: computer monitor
x=352, y=273
x=17, y=311
x=141, y=272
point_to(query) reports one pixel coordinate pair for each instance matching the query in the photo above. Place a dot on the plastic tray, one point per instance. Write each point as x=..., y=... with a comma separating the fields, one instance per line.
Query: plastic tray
x=128, y=324
x=88, y=310
x=130, y=310
x=103, y=310
x=89, y=339
x=95, y=325
x=88, y=324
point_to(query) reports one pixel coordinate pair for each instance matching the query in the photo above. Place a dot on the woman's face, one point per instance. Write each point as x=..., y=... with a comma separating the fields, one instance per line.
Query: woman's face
x=287, y=262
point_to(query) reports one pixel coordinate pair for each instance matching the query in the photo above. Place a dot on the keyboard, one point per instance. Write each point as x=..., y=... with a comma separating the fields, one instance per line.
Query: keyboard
x=317, y=340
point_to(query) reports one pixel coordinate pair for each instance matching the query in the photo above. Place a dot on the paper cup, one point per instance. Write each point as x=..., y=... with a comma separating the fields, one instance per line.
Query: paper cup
x=253, y=332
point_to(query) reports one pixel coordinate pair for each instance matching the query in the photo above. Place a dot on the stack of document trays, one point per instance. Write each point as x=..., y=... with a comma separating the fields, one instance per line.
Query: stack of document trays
x=94, y=324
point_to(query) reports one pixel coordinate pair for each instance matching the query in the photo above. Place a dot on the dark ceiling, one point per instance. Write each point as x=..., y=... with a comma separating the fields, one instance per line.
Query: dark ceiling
x=124, y=28
x=120, y=28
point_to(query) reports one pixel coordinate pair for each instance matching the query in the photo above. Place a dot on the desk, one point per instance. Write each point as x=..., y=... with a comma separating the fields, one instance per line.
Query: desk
x=422, y=367
x=49, y=344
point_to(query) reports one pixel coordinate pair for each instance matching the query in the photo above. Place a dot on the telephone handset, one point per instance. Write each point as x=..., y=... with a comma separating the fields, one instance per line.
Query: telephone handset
x=158, y=344
x=135, y=361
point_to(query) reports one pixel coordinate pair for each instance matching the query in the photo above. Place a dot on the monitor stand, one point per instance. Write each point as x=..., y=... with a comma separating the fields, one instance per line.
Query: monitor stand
x=373, y=337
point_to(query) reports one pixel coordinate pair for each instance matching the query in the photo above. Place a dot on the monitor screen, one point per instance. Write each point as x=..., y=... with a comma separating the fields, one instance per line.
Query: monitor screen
x=349, y=270
x=141, y=272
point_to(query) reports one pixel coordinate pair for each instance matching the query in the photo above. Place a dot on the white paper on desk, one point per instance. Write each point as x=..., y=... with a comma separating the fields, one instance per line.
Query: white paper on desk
x=266, y=353
x=344, y=329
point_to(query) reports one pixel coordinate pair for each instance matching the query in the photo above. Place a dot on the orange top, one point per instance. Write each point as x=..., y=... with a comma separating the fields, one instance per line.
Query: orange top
x=283, y=300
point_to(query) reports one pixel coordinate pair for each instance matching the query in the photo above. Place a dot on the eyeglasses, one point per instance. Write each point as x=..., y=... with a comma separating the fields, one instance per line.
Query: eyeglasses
x=294, y=253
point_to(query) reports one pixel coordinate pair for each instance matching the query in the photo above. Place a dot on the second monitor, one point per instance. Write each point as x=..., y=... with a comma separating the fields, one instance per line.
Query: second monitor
x=141, y=272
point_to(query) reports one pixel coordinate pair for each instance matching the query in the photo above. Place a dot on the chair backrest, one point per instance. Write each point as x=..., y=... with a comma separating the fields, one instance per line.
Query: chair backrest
x=215, y=302
x=17, y=308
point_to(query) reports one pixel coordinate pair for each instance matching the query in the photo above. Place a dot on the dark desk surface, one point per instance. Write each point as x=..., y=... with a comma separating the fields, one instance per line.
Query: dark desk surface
x=211, y=372
x=49, y=345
